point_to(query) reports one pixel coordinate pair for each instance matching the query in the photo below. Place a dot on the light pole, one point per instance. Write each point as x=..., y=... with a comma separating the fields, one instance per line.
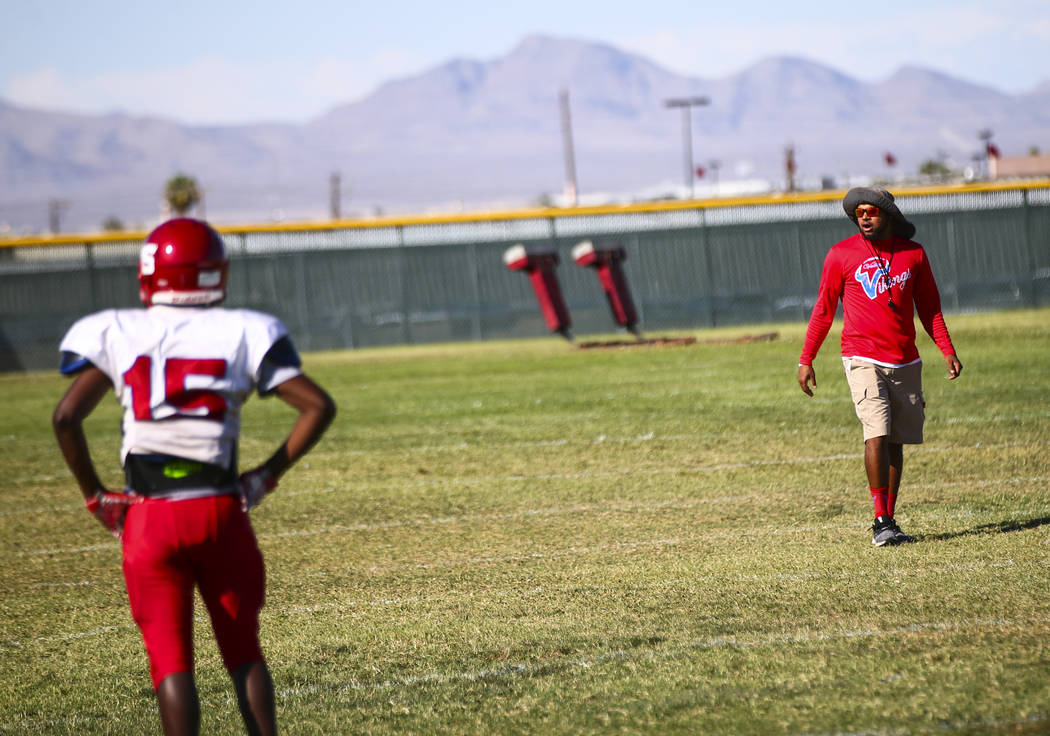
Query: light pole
x=571, y=192
x=986, y=138
x=686, y=104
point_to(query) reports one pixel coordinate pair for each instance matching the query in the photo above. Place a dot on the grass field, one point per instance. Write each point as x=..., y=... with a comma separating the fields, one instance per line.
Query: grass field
x=523, y=538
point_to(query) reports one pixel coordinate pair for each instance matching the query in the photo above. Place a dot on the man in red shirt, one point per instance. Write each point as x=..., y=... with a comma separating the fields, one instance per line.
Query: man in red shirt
x=883, y=278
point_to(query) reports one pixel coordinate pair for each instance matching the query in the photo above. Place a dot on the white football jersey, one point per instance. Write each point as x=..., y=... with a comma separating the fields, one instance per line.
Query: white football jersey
x=182, y=374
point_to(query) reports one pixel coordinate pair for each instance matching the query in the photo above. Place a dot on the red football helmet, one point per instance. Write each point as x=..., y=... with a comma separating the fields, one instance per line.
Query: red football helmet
x=183, y=262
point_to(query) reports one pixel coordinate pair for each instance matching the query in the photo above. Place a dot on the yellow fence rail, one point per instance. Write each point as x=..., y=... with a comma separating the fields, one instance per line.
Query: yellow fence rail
x=533, y=213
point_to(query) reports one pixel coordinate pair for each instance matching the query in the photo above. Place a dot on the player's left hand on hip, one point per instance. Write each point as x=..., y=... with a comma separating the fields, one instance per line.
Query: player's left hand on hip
x=110, y=509
x=254, y=484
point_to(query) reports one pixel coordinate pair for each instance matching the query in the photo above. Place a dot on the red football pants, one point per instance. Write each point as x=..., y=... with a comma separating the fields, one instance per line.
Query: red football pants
x=172, y=546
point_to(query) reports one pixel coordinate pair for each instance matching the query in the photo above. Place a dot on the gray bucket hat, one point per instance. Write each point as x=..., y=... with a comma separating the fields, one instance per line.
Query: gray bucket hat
x=884, y=201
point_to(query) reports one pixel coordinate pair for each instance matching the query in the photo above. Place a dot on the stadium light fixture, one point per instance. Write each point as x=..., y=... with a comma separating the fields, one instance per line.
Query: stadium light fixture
x=686, y=104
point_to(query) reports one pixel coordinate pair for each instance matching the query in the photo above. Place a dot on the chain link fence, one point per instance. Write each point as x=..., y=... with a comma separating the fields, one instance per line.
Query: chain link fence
x=689, y=265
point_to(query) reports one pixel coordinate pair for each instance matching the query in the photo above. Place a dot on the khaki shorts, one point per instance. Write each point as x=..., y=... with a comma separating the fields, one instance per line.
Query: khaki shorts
x=888, y=401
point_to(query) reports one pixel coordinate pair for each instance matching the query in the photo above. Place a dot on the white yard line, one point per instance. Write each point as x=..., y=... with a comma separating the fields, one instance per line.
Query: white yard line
x=599, y=440
x=511, y=670
x=684, y=503
x=516, y=592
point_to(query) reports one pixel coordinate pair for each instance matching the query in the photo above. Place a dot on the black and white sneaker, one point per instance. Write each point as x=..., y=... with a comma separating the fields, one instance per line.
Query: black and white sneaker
x=901, y=537
x=884, y=532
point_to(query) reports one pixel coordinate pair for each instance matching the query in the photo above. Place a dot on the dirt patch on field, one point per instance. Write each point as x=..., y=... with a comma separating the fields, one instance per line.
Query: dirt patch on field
x=656, y=342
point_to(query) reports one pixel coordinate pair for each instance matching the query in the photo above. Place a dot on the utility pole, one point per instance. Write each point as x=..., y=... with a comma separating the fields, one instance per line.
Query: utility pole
x=686, y=104
x=335, y=196
x=985, y=136
x=55, y=208
x=571, y=191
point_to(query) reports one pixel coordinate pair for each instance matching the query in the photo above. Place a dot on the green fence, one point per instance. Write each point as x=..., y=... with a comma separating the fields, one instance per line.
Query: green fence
x=689, y=265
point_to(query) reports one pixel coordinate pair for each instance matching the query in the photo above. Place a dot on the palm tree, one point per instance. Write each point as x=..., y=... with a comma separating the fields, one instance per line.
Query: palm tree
x=112, y=224
x=182, y=193
x=935, y=169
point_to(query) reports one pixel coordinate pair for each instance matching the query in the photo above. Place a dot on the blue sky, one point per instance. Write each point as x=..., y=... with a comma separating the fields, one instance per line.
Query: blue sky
x=229, y=62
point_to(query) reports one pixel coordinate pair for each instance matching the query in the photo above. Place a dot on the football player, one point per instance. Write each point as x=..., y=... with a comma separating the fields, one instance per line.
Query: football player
x=181, y=369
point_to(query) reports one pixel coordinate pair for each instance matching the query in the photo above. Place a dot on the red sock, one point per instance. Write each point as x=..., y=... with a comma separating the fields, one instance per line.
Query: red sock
x=878, y=497
x=891, y=503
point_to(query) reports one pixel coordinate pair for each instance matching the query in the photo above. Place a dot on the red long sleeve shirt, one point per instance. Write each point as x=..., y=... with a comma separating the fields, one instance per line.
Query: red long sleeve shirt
x=872, y=329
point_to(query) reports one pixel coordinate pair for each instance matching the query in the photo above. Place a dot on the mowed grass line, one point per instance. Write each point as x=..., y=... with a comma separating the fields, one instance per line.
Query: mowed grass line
x=524, y=538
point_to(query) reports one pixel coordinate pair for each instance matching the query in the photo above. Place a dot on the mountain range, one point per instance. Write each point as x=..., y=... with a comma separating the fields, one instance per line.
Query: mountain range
x=472, y=134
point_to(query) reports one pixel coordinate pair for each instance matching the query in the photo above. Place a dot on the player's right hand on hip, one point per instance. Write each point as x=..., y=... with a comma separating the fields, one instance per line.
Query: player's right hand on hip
x=110, y=508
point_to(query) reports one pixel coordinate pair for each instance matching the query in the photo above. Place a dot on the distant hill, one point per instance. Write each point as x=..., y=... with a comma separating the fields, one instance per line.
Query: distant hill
x=473, y=134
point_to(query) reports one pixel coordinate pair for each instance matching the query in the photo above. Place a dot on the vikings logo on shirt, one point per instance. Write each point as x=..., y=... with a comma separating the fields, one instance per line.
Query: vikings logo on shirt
x=873, y=275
